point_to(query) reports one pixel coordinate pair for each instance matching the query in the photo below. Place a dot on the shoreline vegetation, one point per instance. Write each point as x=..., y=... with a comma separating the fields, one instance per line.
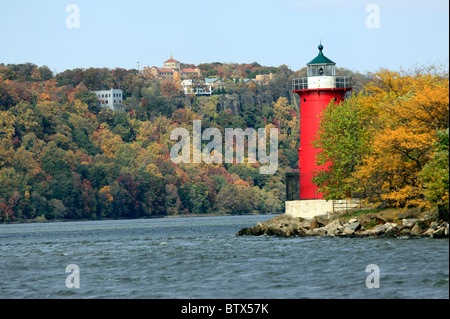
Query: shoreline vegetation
x=387, y=223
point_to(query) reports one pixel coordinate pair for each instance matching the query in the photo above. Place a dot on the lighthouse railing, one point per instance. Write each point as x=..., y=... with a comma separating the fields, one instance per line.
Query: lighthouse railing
x=300, y=83
x=339, y=82
x=343, y=82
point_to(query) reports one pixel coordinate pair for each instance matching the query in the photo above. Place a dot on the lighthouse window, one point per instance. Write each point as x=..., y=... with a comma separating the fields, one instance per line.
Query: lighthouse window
x=304, y=100
x=330, y=70
x=321, y=71
x=312, y=70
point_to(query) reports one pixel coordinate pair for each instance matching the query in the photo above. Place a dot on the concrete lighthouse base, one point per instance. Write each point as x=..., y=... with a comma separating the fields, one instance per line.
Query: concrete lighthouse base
x=310, y=208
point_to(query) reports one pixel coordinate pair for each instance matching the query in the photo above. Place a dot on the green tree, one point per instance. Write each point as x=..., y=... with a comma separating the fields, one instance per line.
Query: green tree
x=342, y=141
x=90, y=99
x=435, y=174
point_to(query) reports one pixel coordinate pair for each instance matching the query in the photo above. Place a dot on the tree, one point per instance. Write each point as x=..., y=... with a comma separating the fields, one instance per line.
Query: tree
x=69, y=77
x=107, y=141
x=8, y=96
x=341, y=141
x=170, y=89
x=7, y=122
x=435, y=174
x=98, y=79
x=90, y=99
x=58, y=207
x=45, y=73
x=208, y=107
x=54, y=160
x=238, y=199
x=172, y=200
x=379, y=142
x=282, y=111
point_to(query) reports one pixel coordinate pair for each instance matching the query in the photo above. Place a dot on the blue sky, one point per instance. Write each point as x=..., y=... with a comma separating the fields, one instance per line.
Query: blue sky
x=120, y=33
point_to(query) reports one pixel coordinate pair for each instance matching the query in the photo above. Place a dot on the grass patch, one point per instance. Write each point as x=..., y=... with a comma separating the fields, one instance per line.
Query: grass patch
x=357, y=213
x=371, y=224
x=370, y=218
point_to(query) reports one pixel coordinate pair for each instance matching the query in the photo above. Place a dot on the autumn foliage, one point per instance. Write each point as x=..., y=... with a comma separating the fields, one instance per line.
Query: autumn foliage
x=389, y=144
x=64, y=157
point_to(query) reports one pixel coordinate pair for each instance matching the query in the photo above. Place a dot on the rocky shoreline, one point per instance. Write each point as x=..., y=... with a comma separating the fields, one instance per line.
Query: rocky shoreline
x=407, y=224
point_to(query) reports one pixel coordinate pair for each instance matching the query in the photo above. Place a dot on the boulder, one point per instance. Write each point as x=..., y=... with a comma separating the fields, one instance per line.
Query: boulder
x=305, y=224
x=410, y=222
x=416, y=230
x=383, y=228
x=287, y=226
x=405, y=231
x=309, y=232
x=276, y=231
x=390, y=230
x=300, y=231
x=379, y=229
x=288, y=231
x=332, y=227
x=367, y=232
x=259, y=229
x=439, y=233
x=429, y=232
x=354, y=226
x=388, y=233
x=350, y=228
x=245, y=231
x=321, y=231
x=321, y=220
x=314, y=224
x=434, y=225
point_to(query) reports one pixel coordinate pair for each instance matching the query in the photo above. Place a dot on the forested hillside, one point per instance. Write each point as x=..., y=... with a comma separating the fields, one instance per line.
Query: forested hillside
x=62, y=157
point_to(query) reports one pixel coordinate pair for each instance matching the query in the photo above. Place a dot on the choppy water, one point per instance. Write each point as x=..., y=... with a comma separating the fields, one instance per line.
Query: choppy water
x=202, y=258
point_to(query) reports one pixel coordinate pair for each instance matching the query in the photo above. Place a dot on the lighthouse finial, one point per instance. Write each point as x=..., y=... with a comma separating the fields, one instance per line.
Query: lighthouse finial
x=320, y=46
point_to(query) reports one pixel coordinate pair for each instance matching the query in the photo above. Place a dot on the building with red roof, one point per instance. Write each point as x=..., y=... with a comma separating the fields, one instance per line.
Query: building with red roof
x=171, y=71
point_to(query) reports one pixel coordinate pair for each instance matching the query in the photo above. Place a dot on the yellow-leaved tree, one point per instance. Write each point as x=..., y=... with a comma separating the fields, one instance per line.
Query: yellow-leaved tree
x=408, y=111
x=388, y=134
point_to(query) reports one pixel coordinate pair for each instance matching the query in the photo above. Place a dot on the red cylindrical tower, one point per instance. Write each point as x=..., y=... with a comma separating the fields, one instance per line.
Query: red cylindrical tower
x=316, y=90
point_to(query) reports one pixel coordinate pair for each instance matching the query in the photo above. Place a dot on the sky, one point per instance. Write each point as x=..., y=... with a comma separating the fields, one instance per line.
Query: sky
x=363, y=36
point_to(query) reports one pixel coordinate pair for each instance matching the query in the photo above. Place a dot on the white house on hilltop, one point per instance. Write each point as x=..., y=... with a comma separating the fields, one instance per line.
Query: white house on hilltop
x=111, y=99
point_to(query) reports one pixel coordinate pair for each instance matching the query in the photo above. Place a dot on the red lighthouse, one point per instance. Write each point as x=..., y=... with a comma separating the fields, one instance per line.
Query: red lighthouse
x=316, y=90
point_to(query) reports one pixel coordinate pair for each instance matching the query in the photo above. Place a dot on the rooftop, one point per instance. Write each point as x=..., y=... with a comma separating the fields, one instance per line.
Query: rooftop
x=320, y=59
x=211, y=80
x=165, y=70
x=171, y=60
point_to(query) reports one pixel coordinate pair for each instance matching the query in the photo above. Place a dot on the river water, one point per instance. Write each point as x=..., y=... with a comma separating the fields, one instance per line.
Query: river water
x=201, y=257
